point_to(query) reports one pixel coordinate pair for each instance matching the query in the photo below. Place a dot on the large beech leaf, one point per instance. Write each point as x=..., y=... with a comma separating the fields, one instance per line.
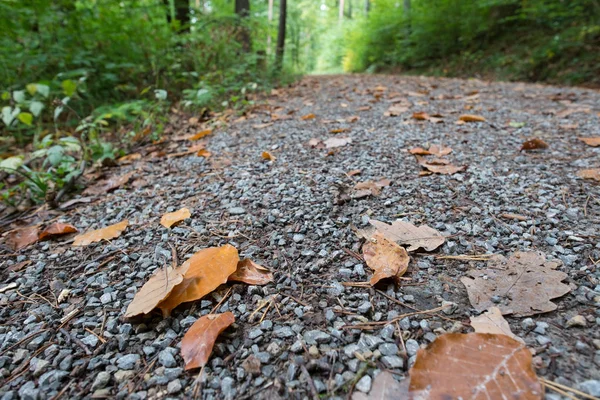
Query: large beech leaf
x=22, y=237
x=385, y=257
x=198, y=342
x=108, y=185
x=57, y=229
x=251, y=273
x=207, y=269
x=475, y=366
x=405, y=233
x=110, y=232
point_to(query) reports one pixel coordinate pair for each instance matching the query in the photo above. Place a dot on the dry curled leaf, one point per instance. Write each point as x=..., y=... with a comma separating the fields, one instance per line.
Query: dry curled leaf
x=492, y=321
x=200, y=134
x=434, y=149
x=405, y=233
x=471, y=118
x=251, y=273
x=22, y=237
x=207, y=269
x=521, y=285
x=534, y=144
x=334, y=142
x=385, y=258
x=158, y=287
x=199, y=340
x=110, y=232
x=475, y=366
x=172, y=218
x=57, y=229
x=267, y=156
x=591, y=141
x=308, y=116
x=445, y=169
x=108, y=185
x=369, y=188
x=593, y=173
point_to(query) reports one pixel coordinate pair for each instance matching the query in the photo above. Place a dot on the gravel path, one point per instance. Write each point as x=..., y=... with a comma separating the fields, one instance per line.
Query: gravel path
x=284, y=215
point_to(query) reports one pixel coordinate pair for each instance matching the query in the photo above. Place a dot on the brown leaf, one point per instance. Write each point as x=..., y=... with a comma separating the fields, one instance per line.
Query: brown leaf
x=471, y=118
x=518, y=217
x=207, y=269
x=198, y=342
x=339, y=130
x=308, y=116
x=534, y=144
x=108, y=185
x=129, y=158
x=336, y=142
x=448, y=169
x=492, y=321
x=420, y=116
x=172, y=218
x=251, y=273
x=158, y=287
x=434, y=149
x=591, y=141
x=262, y=126
x=56, y=229
x=395, y=110
x=353, y=118
x=204, y=153
x=593, y=173
x=22, y=237
x=267, y=156
x=369, y=188
x=405, y=233
x=524, y=284
x=419, y=151
x=385, y=257
x=314, y=142
x=363, y=108
x=110, y=232
x=200, y=134
x=475, y=366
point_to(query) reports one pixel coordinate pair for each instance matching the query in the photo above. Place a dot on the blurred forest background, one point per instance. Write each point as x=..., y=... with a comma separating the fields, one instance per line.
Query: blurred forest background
x=82, y=80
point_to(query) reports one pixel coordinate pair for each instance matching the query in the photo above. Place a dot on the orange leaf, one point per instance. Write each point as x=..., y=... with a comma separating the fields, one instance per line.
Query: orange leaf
x=471, y=118
x=308, y=116
x=251, y=273
x=129, y=158
x=56, y=229
x=385, y=257
x=339, y=130
x=591, y=141
x=207, y=269
x=353, y=172
x=199, y=340
x=534, y=144
x=158, y=287
x=353, y=118
x=110, y=232
x=420, y=116
x=200, y=134
x=474, y=366
x=22, y=237
x=172, y=218
x=593, y=173
x=267, y=156
x=203, y=153
x=108, y=185
x=419, y=151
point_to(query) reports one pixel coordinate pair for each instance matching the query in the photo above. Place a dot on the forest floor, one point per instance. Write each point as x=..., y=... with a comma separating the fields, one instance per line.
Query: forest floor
x=296, y=215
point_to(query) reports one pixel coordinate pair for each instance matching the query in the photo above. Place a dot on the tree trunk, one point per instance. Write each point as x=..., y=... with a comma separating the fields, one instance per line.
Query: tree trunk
x=281, y=34
x=270, y=20
x=367, y=7
x=341, y=12
x=349, y=9
x=242, y=9
x=407, y=18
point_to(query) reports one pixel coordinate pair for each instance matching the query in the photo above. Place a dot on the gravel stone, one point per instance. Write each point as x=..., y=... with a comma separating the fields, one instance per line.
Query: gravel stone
x=364, y=384
x=316, y=336
x=128, y=362
x=101, y=380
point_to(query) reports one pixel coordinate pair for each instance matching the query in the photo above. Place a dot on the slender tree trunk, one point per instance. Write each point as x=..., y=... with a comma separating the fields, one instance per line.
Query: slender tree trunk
x=242, y=9
x=281, y=34
x=349, y=9
x=341, y=12
x=270, y=19
x=367, y=7
x=408, y=18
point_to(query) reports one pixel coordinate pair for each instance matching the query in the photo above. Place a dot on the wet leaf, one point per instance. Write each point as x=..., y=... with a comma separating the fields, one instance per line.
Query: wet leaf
x=492, y=321
x=267, y=156
x=591, y=141
x=199, y=340
x=475, y=366
x=471, y=118
x=251, y=273
x=158, y=287
x=22, y=237
x=207, y=269
x=385, y=257
x=200, y=134
x=172, y=218
x=57, y=229
x=593, y=173
x=336, y=142
x=308, y=116
x=534, y=144
x=522, y=285
x=110, y=232
x=405, y=233
x=108, y=185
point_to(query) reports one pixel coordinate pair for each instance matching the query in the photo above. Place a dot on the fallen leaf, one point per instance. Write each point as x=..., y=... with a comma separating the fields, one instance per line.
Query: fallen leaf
x=395, y=110
x=314, y=142
x=207, y=269
x=353, y=118
x=522, y=285
x=339, y=130
x=384, y=387
x=129, y=158
x=385, y=257
x=363, y=108
x=262, y=126
x=475, y=366
x=72, y=202
x=448, y=169
x=267, y=156
x=110, y=232
x=251, y=273
x=22, y=237
x=193, y=149
x=471, y=118
x=56, y=229
x=158, y=287
x=353, y=172
x=199, y=340
x=420, y=116
x=172, y=218
x=518, y=217
x=593, y=173
x=369, y=188
x=308, y=116
x=405, y=233
x=200, y=134
x=534, y=144
x=108, y=185
x=492, y=321
x=434, y=149
x=336, y=142
x=204, y=153
x=419, y=151
x=591, y=141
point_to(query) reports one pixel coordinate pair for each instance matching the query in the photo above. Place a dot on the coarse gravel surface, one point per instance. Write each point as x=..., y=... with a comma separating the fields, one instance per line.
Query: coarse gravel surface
x=286, y=215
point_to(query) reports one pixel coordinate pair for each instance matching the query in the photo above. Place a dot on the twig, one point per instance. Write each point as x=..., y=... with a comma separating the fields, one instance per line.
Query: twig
x=311, y=383
x=373, y=325
x=553, y=385
x=198, y=383
x=76, y=341
x=25, y=339
x=215, y=308
x=257, y=391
